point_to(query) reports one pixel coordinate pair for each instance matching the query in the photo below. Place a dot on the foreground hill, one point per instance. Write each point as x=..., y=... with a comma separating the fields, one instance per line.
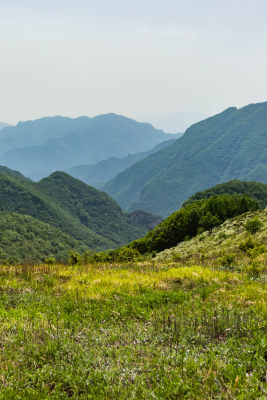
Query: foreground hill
x=255, y=190
x=73, y=142
x=98, y=174
x=27, y=239
x=142, y=330
x=230, y=145
x=226, y=245
x=75, y=208
x=192, y=219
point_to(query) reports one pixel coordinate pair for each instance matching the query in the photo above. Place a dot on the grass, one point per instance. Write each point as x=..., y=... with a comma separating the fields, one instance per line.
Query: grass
x=209, y=248
x=135, y=331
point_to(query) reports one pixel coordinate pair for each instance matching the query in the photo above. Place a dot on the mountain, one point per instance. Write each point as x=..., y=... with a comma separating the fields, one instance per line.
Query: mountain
x=3, y=125
x=23, y=238
x=11, y=172
x=37, y=132
x=230, y=145
x=72, y=206
x=38, y=152
x=255, y=190
x=98, y=174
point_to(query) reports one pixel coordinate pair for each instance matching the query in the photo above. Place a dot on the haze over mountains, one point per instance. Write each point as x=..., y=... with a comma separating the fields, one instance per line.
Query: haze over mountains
x=3, y=125
x=37, y=148
x=229, y=145
x=141, y=167
x=98, y=174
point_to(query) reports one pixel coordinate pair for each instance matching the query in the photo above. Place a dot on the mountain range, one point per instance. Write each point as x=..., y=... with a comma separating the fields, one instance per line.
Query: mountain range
x=38, y=148
x=3, y=125
x=229, y=145
x=98, y=174
x=76, y=209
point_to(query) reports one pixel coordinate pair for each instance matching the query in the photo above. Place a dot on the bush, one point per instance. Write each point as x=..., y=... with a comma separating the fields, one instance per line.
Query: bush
x=255, y=269
x=74, y=258
x=253, y=225
x=50, y=260
x=227, y=260
x=247, y=244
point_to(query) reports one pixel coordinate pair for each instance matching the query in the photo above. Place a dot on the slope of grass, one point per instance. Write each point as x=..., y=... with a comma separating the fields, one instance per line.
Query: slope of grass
x=229, y=245
x=138, y=331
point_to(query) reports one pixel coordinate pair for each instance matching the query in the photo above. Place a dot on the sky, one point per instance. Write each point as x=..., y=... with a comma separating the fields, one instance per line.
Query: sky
x=168, y=62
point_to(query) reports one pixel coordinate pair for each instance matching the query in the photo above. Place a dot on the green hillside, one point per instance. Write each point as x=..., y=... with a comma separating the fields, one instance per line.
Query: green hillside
x=26, y=239
x=255, y=190
x=73, y=142
x=98, y=174
x=230, y=145
x=225, y=246
x=75, y=208
x=192, y=219
x=92, y=208
x=190, y=324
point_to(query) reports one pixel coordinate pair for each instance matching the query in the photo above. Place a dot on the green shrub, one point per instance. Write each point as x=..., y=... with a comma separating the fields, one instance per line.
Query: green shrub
x=74, y=258
x=50, y=260
x=253, y=225
x=247, y=244
x=227, y=260
x=255, y=269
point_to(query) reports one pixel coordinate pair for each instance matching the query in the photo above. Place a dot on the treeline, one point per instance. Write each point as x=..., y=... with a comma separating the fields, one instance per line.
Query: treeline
x=255, y=190
x=181, y=225
x=192, y=219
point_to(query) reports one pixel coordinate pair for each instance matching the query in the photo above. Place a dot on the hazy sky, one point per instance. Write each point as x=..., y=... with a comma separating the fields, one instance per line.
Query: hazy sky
x=166, y=61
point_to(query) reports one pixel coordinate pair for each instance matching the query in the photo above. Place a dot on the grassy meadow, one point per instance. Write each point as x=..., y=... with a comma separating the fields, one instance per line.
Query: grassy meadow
x=132, y=331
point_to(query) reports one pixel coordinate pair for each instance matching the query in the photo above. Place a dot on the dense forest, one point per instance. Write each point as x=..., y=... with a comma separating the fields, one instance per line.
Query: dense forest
x=255, y=190
x=76, y=209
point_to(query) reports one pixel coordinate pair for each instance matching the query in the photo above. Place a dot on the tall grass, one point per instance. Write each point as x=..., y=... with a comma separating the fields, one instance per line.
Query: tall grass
x=134, y=331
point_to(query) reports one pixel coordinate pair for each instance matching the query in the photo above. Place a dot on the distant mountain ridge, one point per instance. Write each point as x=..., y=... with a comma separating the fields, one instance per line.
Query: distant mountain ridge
x=98, y=174
x=229, y=145
x=3, y=125
x=37, y=148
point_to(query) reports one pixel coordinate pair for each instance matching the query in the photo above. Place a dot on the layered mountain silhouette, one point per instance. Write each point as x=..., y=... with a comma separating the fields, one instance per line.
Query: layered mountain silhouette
x=229, y=145
x=3, y=125
x=98, y=174
x=37, y=148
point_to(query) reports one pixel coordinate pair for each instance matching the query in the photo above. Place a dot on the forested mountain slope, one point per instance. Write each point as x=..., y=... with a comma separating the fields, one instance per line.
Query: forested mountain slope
x=255, y=190
x=230, y=145
x=26, y=239
x=75, y=208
